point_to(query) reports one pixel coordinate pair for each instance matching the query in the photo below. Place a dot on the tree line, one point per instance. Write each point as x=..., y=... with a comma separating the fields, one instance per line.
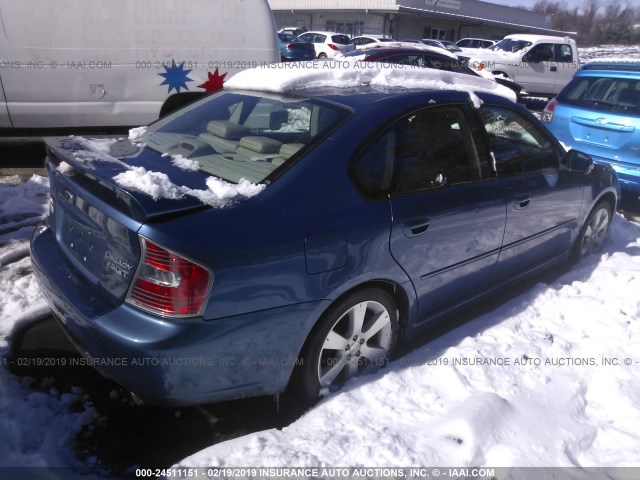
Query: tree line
x=595, y=22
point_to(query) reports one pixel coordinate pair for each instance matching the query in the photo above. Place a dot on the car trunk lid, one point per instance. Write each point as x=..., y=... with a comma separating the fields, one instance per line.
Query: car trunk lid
x=604, y=131
x=95, y=219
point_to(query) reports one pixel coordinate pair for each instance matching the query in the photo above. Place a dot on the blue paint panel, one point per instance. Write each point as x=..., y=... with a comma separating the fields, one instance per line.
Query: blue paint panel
x=325, y=251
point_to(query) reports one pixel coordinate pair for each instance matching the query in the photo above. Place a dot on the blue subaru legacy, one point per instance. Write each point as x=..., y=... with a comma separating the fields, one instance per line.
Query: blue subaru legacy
x=598, y=112
x=257, y=240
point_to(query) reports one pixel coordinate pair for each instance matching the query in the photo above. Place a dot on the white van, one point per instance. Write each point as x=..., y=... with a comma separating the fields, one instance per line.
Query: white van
x=97, y=63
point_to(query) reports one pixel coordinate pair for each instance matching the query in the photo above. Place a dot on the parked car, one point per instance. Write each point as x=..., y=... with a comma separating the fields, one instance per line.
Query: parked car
x=366, y=40
x=474, y=43
x=542, y=64
x=423, y=55
x=95, y=65
x=452, y=47
x=328, y=44
x=294, y=49
x=599, y=113
x=296, y=31
x=445, y=44
x=272, y=235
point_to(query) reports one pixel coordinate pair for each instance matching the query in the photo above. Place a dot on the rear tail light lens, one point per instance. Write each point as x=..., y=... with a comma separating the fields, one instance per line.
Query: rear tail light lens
x=547, y=114
x=168, y=284
x=332, y=46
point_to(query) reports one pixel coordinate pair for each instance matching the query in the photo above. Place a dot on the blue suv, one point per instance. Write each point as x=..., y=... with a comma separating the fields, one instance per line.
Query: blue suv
x=598, y=112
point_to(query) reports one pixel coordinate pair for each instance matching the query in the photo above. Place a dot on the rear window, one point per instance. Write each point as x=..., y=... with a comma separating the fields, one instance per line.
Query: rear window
x=341, y=39
x=234, y=136
x=603, y=94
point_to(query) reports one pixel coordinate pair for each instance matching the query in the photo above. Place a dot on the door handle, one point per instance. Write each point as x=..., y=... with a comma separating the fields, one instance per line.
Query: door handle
x=416, y=227
x=521, y=202
x=553, y=68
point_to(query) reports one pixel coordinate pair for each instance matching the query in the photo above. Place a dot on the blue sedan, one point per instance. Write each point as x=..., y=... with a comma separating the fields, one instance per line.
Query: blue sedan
x=294, y=49
x=257, y=241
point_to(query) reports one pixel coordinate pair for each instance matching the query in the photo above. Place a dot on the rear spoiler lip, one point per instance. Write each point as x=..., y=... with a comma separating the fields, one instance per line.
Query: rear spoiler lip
x=141, y=207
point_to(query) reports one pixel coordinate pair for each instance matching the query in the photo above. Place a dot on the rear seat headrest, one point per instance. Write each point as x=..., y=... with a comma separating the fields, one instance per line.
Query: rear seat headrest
x=227, y=130
x=260, y=144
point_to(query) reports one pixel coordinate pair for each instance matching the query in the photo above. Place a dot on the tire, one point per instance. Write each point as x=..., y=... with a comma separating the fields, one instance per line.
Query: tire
x=322, y=55
x=594, y=232
x=356, y=334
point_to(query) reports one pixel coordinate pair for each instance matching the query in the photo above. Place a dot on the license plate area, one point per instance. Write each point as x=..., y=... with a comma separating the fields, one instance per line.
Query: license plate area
x=81, y=236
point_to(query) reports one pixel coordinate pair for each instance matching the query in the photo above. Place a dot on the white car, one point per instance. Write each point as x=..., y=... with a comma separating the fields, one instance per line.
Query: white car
x=328, y=44
x=474, y=43
x=365, y=41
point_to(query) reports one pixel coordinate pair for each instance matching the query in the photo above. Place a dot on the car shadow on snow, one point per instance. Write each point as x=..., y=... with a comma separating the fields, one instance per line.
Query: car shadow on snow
x=125, y=435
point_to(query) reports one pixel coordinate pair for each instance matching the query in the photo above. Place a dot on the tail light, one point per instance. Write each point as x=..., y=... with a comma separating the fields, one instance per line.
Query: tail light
x=290, y=46
x=168, y=284
x=332, y=46
x=547, y=114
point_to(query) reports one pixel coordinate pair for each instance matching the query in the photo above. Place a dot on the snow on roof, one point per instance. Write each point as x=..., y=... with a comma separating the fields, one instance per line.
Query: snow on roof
x=342, y=73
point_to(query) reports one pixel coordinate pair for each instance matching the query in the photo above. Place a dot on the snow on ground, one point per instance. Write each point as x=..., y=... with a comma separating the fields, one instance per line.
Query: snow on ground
x=524, y=385
x=37, y=429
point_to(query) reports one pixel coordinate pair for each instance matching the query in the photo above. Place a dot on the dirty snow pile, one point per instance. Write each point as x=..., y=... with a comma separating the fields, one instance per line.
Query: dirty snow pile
x=548, y=379
x=37, y=428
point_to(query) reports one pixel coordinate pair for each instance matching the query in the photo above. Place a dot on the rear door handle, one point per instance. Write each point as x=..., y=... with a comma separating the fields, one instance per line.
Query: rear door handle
x=554, y=68
x=415, y=227
x=521, y=202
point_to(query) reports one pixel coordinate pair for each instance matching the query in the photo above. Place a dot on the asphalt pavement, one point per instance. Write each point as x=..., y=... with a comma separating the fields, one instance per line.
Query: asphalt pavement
x=22, y=156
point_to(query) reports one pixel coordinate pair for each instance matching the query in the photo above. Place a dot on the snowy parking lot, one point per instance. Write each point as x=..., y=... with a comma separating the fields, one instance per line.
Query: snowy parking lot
x=546, y=377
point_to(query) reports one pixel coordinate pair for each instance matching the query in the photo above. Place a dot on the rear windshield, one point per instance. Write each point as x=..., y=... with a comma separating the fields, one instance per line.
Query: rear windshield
x=341, y=39
x=603, y=94
x=287, y=37
x=250, y=135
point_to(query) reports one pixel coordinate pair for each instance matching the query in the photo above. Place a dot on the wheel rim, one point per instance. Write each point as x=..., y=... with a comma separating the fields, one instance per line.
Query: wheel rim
x=359, y=339
x=595, y=232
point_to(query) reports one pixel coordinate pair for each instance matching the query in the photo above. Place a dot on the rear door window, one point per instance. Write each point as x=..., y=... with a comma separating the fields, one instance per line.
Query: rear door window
x=430, y=149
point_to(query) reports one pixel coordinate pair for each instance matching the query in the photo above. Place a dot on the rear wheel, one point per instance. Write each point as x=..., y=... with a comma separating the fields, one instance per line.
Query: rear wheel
x=594, y=231
x=356, y=334
x=322, y=55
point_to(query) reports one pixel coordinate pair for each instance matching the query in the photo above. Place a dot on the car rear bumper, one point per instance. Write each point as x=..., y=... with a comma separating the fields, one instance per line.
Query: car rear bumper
x=298, y=56
x=173, y=361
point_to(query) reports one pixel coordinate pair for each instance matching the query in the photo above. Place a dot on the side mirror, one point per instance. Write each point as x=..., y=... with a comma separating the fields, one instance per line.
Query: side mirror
x=579, y=162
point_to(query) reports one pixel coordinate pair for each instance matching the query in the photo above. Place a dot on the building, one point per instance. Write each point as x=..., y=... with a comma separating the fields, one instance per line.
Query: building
x=404, y=19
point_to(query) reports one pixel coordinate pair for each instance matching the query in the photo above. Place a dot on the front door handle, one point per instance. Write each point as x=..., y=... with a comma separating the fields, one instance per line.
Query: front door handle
x=415, y=227
x=554, y=68
x=522, y=201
